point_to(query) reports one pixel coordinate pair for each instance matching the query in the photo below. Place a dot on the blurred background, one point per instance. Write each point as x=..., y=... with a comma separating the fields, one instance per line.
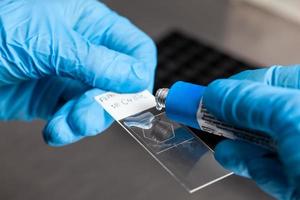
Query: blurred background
x=112, y=165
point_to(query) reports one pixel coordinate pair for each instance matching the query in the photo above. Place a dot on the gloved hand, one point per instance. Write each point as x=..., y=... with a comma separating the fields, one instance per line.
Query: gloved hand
x=52, y=55
x=266, y=100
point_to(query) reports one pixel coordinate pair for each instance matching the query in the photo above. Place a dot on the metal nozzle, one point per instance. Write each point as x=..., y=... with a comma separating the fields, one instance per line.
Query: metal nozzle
x=160, y=98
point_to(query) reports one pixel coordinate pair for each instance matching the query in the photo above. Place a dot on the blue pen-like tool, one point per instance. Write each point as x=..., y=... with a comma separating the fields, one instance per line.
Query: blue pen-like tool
x=183, y=104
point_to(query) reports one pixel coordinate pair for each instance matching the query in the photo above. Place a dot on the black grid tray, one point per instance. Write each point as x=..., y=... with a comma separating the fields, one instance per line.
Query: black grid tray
x=183, y=58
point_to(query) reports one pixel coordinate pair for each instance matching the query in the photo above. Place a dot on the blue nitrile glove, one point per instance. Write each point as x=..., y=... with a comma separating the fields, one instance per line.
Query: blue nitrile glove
x=52, y=53
x=266, y=100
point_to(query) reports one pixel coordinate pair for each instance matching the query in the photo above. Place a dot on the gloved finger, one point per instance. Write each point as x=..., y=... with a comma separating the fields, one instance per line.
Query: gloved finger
x=69, y=55
x=269, y=175
x=289, y=150
x=288, y=145
x=87, y=117
x=256, y=163
x=281, y=76
x=102, y=26
x=57, y=132
x=254, y=105
x=233, y=155
x=69, y=125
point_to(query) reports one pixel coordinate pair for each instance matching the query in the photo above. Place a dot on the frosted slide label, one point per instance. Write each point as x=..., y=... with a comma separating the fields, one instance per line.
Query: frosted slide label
x=120, y=106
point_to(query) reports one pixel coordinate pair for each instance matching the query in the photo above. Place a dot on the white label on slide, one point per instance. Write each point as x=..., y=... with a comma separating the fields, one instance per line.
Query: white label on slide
x=120, y=106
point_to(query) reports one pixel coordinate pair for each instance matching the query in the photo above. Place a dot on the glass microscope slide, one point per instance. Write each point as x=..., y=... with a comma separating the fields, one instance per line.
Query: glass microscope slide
x=188, y=159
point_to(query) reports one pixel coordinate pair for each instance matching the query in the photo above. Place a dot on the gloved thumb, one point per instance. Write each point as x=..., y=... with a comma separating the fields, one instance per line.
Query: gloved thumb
x=68, y=54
